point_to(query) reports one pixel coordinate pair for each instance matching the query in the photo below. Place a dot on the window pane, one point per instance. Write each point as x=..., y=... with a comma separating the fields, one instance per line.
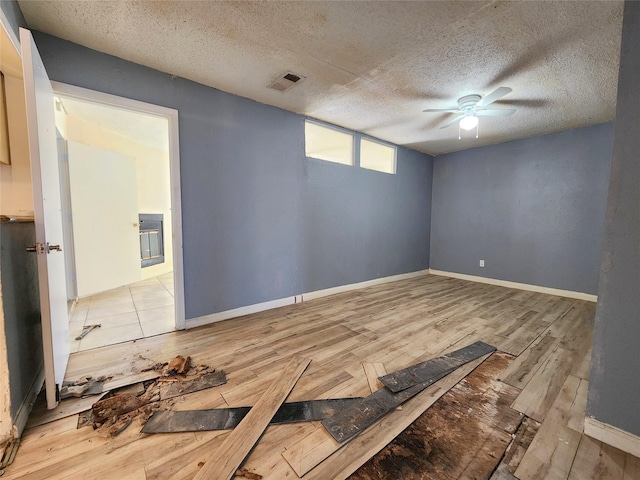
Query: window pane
x=145, y=248
x=376, y=156
x=154, y=245
x=328, y=144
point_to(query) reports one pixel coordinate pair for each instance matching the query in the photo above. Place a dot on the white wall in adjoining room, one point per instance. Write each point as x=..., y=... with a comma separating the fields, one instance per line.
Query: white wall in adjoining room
x=152, y=172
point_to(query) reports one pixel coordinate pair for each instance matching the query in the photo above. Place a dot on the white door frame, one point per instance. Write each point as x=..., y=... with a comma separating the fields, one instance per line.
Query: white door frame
x=174, y=163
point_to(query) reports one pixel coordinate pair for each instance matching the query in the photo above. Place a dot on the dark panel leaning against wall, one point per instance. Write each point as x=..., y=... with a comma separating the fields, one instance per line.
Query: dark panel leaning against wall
x=13, y=15
x=21, y=304
x=614, y=384
x=362, y=224
x=533, y=209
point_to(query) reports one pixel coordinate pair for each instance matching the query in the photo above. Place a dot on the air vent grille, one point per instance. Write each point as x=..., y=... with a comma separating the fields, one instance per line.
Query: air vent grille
x=285, y=81
x=292, y=77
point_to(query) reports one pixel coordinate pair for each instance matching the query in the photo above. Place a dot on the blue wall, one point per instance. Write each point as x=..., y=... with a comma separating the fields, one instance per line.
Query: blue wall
x=361, y=224
x=614, y=384
x=260, y=221
x=242, y=173
x=13, y=15
x=533, y=209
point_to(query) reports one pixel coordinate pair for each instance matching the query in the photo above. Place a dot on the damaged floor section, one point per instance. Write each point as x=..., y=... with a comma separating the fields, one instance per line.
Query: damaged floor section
x=516, y=413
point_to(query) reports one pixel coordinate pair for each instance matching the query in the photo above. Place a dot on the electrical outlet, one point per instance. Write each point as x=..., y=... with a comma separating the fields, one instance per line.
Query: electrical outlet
x=482, y=263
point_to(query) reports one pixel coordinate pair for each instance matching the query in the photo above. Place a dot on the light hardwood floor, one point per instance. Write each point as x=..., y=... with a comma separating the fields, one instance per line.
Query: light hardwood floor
x=392, y=325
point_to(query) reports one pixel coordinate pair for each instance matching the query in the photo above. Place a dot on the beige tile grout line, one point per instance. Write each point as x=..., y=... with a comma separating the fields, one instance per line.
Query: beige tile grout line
x=139, y=323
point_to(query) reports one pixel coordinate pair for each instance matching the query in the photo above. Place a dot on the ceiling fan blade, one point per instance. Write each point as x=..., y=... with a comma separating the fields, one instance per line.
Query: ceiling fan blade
x=451, y=110
x=503, y=112
x=452, y=121
x=493, y=96
x=531, y=103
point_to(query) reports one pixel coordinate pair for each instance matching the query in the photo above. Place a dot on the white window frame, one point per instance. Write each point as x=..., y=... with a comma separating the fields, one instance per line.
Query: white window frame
x=384, y=144
x=335, y=129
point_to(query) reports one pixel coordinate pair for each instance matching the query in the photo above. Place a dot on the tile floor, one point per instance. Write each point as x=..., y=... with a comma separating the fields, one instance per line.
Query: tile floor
x=134, y=311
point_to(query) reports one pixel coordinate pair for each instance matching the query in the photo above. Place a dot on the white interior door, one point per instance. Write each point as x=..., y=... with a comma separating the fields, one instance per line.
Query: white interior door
x=48, y=216
x=104, y=205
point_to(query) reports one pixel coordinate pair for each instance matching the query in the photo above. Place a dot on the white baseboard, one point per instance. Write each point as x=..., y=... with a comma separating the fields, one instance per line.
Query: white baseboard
x=614, y=436
x=281, y=302
x=520, y=286
x=368, y=283
x=27, y=404
x=241, y=311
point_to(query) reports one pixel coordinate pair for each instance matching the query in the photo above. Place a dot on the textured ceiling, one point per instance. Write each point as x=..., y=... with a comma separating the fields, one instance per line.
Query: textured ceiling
x=373, y=66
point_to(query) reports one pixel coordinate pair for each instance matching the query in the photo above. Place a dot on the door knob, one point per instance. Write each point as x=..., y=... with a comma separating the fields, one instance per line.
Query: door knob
x=37, y=248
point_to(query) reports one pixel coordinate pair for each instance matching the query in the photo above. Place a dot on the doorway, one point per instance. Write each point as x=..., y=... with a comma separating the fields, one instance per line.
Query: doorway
x=120, y=177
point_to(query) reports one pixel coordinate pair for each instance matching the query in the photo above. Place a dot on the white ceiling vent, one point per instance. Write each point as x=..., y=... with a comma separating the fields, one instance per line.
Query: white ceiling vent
x=286, y=81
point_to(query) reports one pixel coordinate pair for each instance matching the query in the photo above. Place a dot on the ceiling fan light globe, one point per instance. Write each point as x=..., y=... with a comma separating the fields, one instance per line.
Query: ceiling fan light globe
x=469, y=122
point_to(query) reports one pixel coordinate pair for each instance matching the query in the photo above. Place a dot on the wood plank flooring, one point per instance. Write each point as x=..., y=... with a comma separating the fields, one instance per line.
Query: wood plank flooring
x=463, y=435
x=393, y=325
x=226, y=460
x=335, y=460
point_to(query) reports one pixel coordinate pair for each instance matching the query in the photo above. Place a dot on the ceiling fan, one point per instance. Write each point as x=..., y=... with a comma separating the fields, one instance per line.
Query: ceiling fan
x=470, y=107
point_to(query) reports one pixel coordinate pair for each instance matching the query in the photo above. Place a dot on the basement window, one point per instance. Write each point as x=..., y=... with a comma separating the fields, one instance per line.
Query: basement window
x=377, y=156
x=326, y=143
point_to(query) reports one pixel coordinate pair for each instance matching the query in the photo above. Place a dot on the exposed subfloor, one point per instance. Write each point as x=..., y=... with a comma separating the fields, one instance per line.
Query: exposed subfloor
x=541, y=372
x=463, y=435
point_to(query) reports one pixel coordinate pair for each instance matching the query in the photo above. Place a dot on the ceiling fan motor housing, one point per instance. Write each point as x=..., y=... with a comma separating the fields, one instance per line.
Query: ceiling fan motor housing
x=470, y=107
x=468, y=101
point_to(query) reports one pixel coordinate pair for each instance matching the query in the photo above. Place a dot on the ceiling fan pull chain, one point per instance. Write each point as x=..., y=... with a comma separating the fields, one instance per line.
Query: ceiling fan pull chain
x=477, y=128
x=459, y=131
